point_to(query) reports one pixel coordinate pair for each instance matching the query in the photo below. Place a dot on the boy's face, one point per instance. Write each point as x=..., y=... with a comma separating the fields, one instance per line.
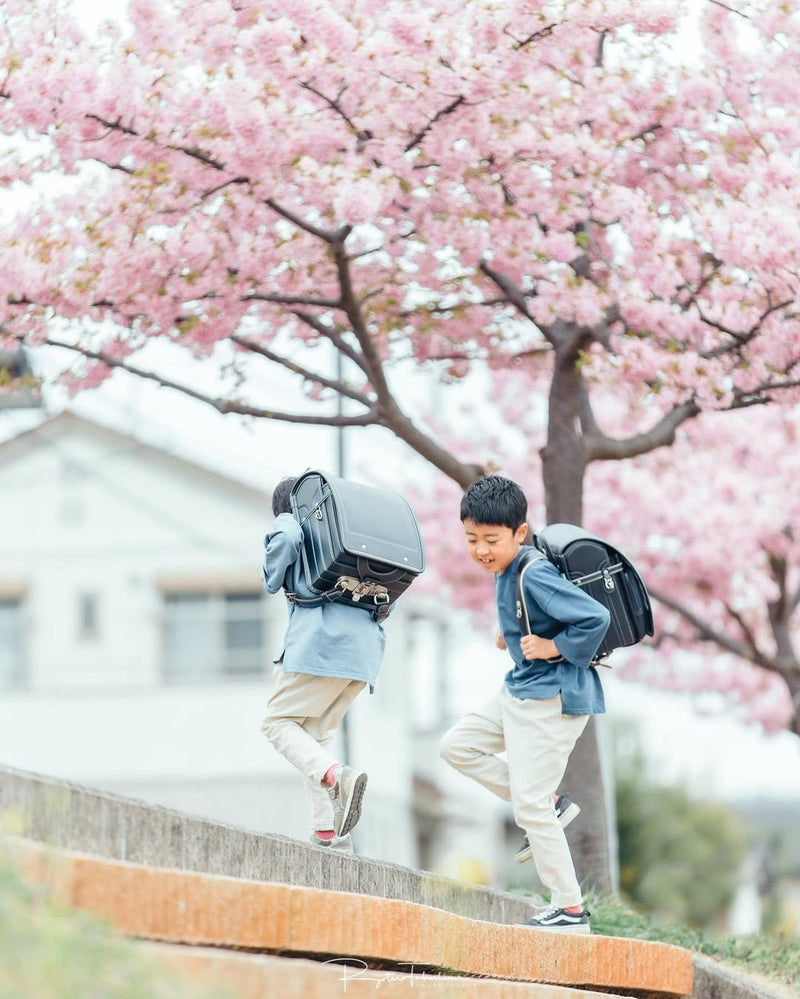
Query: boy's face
x=493, y=546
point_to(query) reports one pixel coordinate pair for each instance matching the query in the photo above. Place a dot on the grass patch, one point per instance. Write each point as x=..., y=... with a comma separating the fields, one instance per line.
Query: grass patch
x=49, y=952
x=774, y=957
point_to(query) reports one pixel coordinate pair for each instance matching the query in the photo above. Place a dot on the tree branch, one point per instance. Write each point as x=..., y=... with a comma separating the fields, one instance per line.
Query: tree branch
x=335, y=337
x=312, y=376
x=370, y=361
x=512, y=294
x=225, y=405
x=794, y=601
x=705, y=633
x=520, y=43
x=750, y=638
x=600, y=447
x=362, y=135
x=326, y=235
x=739, y=340
x=747, y=650
x=449, y=109
x=309, y=300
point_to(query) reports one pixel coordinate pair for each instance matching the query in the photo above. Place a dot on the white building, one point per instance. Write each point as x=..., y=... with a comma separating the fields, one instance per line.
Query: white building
x=136, y=640
x=136, y=648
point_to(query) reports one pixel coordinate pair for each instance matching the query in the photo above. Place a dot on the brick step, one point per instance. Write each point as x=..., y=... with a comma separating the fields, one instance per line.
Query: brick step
x=214, y=910
x=254, y=976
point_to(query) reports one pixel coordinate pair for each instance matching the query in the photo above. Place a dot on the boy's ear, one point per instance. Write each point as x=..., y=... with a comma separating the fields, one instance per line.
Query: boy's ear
x=521, y=533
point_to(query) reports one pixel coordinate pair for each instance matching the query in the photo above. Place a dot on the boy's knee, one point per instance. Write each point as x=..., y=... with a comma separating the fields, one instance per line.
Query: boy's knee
x=451, y=749
x=269, y=728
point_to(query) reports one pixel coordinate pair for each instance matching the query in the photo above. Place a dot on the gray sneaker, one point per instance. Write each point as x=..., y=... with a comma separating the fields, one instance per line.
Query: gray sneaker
x=566, y=811
x=346, y=795
x=344, y=844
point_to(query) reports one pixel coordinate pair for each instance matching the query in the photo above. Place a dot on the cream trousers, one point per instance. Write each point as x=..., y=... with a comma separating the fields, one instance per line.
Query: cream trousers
x=537, y=739
x=302, y=716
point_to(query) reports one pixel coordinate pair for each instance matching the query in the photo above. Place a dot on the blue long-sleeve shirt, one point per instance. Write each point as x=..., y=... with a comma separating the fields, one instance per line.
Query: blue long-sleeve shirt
x=576, y=622
x=330, y=640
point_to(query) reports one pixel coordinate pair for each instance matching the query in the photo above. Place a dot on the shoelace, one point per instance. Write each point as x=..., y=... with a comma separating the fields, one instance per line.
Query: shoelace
x=552, y=910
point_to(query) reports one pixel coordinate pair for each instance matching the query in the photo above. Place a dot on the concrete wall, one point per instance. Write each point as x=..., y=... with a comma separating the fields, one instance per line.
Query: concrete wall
x=89, y=511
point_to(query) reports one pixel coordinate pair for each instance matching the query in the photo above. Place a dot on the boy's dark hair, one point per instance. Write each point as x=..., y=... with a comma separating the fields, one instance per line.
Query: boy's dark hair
x=495, y=500
x=280, y=495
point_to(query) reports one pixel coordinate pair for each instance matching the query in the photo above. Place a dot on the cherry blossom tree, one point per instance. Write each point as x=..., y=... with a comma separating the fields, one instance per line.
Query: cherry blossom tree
x=722, y=556
x=554, y=190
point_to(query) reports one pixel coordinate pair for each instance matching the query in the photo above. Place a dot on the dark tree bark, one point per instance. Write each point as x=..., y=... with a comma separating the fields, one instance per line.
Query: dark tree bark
x=564, y=462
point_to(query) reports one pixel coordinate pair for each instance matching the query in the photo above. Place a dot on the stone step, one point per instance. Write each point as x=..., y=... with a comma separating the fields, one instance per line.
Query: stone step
x=75, y=817
x=254, y=976
x=214, y=910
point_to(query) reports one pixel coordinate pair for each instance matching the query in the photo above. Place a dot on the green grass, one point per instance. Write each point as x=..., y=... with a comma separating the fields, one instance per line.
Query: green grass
x=774, y=957
x=48, y=952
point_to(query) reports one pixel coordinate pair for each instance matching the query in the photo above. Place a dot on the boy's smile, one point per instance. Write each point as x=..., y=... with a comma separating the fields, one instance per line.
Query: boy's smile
x=493, y=546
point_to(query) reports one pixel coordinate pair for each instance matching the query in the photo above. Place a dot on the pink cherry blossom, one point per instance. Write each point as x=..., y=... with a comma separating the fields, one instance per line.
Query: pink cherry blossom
x=555, y=196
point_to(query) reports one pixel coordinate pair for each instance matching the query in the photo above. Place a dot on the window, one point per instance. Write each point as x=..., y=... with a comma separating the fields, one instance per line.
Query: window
x=88, y=617
x=11, y=665
x=427, y=658
x=213, y=636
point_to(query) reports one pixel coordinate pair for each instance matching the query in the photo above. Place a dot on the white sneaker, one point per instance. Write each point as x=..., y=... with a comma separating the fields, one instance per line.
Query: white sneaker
x=344, y=844
x=346, y=795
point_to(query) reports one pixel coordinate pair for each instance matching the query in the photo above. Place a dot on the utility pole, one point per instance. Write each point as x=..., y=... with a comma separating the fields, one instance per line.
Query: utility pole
x=344, y=728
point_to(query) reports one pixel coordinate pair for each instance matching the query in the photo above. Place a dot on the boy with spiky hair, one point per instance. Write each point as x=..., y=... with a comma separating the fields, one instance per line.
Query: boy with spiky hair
x=545, y=702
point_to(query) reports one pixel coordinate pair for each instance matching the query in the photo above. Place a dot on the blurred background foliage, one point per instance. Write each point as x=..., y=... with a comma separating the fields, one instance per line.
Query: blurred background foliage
x=679, y=857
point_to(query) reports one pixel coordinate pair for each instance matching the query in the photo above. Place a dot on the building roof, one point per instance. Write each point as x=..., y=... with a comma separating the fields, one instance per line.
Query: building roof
x=68, y=423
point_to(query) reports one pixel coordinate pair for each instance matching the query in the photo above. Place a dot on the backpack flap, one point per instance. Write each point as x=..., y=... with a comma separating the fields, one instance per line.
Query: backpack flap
x=377, y=527
x=606, y=575
x=360, y=545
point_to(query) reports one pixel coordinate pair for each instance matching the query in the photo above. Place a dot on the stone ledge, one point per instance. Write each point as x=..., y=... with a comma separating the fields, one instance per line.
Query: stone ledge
x=213, y=910
x=69, y=815
x=713, y=980
x=75, y=817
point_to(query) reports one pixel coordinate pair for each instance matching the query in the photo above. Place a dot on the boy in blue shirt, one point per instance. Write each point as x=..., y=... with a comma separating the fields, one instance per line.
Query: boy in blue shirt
x=545, y=702
x=330, y=653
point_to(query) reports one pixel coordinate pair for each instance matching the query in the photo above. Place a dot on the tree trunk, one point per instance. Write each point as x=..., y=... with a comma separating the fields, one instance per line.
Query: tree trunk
x=589, y=779
x=793, y=683
x=564, y=456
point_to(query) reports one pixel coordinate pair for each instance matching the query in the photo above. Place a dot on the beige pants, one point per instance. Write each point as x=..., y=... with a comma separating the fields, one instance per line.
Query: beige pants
x=537, y=739
x=302, y=716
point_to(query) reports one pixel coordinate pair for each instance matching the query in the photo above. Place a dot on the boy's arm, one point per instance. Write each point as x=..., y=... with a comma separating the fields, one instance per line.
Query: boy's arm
x=282, y=545
x=585, y=620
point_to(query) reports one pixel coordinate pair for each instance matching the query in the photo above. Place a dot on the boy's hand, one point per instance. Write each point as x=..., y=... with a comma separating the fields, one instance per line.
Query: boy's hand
x=534, y=647
x=499, y=641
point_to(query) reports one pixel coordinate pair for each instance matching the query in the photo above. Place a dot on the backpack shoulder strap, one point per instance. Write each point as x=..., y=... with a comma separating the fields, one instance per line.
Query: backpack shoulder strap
x=527, y=558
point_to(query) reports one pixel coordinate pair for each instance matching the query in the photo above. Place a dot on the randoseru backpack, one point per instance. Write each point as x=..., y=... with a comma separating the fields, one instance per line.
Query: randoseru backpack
x=603, y=572
x=361, y=545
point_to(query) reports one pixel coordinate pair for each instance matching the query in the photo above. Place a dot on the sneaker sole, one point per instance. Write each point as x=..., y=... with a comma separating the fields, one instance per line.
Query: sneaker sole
x=582, y=929
x=569, y=814
x=564, y=820
x=353, y=811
